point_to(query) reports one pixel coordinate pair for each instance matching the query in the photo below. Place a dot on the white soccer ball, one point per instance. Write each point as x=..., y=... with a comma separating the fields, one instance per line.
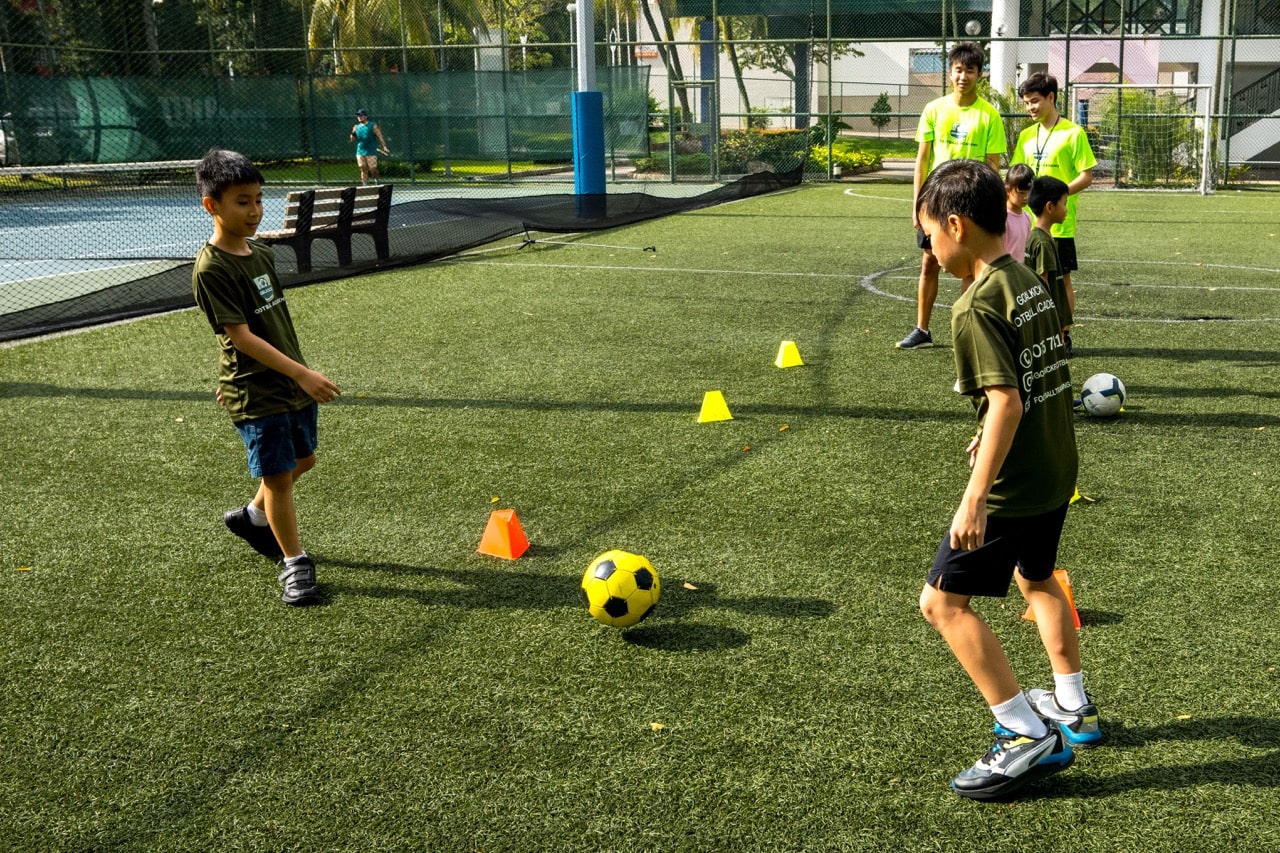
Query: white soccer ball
x=1102, y=395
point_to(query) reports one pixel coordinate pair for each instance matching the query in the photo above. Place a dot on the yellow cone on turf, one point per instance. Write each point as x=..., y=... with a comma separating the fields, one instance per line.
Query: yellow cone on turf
x=788, y=355
x=714, y=408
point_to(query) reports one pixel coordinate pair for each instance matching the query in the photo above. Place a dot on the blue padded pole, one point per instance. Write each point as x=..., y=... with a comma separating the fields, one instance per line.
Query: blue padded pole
x=587, y=109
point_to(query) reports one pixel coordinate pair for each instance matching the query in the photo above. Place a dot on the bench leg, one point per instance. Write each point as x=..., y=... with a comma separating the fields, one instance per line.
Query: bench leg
x=302, y=251
x=382, y=245
x=343, y=243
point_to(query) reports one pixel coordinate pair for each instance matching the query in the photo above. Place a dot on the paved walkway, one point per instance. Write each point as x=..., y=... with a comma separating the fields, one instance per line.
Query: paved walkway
x=893, y=169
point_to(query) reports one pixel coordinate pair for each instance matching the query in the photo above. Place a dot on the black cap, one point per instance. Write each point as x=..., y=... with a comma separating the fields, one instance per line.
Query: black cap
x=362, y=112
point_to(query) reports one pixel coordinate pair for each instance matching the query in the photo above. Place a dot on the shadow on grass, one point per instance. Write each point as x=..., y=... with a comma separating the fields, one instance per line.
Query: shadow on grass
x=500, y=588
x=1261, y=358
x=690, y=408
x=1259, y=771
x=685, y=637
x=46, y=389
x=1099, y=617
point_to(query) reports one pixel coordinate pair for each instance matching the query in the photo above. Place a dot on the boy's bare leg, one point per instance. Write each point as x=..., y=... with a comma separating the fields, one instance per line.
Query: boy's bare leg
x=972, y=642
x=1054, y=620
x=275, y=497
x=927, y=289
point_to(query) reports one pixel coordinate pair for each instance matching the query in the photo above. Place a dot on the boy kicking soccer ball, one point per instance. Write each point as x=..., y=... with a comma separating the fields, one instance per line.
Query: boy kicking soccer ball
x=1011, y=360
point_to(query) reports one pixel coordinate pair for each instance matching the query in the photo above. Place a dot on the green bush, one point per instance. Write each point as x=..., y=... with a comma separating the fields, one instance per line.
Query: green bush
x=400, y=168
x=780, y=149
x=850, y=160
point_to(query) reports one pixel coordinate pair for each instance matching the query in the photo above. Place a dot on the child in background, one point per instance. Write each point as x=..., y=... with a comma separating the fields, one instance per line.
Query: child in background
x=1017, y=226
x=1048, y=201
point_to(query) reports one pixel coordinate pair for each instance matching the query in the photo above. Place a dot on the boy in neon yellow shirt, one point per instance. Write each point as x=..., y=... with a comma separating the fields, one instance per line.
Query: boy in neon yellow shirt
x=1056, y=147
x=958, y=126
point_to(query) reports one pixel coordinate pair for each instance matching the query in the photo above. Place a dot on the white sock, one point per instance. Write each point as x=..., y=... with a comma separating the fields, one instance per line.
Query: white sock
x=293, y=561
x=1017, y=715
x=1069, y=690
x=257, y=516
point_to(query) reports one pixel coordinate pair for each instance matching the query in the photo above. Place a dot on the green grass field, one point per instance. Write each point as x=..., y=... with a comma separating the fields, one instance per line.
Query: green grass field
x=158, y=696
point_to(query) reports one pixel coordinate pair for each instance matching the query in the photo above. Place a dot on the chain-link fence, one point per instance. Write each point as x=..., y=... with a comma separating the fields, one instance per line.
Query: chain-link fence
x=487, y=82
x=473, y=99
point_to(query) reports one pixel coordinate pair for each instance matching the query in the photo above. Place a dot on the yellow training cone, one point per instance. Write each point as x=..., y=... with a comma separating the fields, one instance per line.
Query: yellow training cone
x=714, y=408
x=788, y=355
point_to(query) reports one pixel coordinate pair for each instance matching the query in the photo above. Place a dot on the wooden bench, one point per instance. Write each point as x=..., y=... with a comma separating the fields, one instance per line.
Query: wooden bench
x=333, y=214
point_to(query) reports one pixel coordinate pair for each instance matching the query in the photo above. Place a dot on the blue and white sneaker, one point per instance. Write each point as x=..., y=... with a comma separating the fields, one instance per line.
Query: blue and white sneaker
x=1012, y=762
x=1079, y=727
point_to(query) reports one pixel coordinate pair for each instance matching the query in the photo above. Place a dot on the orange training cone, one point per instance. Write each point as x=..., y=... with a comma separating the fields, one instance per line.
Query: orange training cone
x=1064, y=581
x=503, y=536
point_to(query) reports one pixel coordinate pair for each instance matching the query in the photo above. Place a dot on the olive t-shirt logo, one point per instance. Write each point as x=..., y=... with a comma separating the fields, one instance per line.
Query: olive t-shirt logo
x=265, y=289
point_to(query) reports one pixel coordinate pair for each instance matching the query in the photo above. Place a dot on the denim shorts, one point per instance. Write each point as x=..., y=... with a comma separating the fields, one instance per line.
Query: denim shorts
x=276, y=442
x=1028, y=543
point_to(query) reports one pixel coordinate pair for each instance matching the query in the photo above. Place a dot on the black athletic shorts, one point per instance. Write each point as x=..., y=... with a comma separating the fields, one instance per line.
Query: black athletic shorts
x=1030, y=543
x=1067, y=253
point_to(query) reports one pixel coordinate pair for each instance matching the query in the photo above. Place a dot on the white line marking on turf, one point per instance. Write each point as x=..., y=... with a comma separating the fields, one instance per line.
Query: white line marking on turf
x=868, y=284
x=627, y=268
x=853, y=194
x=1182, y=264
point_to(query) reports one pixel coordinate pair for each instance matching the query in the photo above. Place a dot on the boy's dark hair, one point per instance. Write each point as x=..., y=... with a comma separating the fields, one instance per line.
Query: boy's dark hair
x=221, y=168
x=967, y=54
x=1042, y=84
x=1019, y=176
x=965, y=188
x=1046, y=190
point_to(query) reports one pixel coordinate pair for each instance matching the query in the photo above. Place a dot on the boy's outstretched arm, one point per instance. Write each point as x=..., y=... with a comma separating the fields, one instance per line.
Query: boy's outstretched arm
x=316, y=384
x=1004, y=411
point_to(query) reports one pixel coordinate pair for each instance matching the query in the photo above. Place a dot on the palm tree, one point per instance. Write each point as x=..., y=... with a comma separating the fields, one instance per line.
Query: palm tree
x=664, y=40
x=340, y=25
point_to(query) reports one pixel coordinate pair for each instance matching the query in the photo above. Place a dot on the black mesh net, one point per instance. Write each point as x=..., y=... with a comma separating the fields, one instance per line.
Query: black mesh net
x=153, y=277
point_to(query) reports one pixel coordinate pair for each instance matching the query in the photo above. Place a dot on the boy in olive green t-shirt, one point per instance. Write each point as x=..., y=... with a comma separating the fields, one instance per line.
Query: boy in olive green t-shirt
x=1010, y=360
x=263, y=381
x=1048, y=201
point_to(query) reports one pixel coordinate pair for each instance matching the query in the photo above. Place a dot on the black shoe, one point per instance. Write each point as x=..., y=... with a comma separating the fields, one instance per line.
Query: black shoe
x=261, y=539
x=918, y=339
x=299, y=583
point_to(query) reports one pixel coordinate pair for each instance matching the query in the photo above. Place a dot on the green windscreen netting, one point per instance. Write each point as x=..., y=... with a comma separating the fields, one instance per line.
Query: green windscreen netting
x=427, y=117
x=110, y=231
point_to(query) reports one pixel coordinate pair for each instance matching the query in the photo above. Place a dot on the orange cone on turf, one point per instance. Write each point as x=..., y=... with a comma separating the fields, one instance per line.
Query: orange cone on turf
x=1064, y=581
x=503, y=536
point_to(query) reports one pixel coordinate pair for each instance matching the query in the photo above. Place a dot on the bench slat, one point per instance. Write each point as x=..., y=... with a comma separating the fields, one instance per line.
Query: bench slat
x=334, y=213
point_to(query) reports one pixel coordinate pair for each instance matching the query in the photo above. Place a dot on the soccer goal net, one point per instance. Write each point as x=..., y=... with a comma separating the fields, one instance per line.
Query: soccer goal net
x=1149, y=136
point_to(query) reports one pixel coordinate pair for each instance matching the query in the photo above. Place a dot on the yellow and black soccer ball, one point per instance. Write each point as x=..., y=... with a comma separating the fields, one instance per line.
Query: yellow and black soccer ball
x=620, y=588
